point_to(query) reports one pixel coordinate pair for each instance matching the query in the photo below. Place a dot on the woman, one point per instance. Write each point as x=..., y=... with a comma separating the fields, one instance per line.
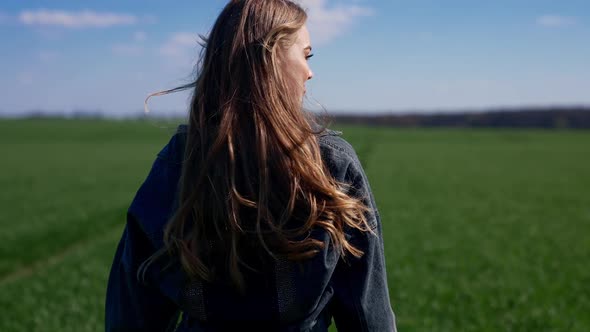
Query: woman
x=253, y=217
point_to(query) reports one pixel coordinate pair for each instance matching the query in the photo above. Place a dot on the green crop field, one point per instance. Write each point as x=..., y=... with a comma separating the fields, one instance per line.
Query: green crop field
x=484, y=230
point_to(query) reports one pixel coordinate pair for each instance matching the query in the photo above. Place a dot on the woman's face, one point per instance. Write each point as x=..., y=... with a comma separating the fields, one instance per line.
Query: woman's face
x=295, y=62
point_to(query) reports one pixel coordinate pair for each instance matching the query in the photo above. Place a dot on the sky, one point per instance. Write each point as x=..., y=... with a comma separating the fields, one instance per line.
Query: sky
x=369, y=55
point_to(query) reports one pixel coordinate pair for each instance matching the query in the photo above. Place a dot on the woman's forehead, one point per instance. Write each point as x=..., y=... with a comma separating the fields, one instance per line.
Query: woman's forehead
x=303, y=38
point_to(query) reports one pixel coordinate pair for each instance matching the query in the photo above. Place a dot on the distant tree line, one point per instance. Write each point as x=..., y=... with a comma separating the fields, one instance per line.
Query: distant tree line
x=572, y=117
x=548, y=117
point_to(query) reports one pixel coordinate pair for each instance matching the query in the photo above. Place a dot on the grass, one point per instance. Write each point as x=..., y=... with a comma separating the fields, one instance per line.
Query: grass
x=484, y=230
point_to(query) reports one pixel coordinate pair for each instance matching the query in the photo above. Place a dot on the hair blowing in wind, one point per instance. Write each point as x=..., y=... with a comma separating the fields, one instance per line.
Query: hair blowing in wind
x=253, y=176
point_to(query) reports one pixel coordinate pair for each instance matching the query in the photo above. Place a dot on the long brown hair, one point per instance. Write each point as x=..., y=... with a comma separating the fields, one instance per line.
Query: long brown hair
x=252, y=171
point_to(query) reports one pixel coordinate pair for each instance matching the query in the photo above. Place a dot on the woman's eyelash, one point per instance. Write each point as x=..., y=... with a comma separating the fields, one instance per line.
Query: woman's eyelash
x=309, y=56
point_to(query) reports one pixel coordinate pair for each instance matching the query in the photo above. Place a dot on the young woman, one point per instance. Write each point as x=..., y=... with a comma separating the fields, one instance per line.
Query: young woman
x=253, y=217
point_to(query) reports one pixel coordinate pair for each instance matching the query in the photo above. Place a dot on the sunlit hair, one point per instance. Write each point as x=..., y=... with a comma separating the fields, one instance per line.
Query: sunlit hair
x=253, y=176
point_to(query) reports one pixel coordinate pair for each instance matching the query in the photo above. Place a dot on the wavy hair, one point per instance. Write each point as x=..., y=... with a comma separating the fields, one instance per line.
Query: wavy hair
x=253, y=177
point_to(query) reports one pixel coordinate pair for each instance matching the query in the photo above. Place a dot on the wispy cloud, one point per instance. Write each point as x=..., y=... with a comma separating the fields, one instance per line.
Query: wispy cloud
x=139, y=36
x=134, y=47
x=81, y=19
x=149, y=19
x=127, y=49
x=179, y=44
x=180, y=50
x=555, y=21
x=326, y=23
x=25, y=78
x=48, y=56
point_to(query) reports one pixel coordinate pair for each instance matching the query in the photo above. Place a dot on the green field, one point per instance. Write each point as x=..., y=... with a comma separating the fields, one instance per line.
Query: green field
x=485, y=230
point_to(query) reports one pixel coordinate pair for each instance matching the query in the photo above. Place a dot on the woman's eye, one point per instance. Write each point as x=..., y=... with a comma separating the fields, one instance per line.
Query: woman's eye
x=309, y=56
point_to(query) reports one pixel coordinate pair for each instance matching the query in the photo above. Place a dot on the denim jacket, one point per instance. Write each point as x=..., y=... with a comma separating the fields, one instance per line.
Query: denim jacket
x=292, y=297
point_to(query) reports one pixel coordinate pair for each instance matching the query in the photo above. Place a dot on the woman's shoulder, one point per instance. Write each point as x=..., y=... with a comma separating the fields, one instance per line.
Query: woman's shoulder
x=338, y=154
x=332, y=145
x=173, y=151
x=332, y=142
x=156, y=198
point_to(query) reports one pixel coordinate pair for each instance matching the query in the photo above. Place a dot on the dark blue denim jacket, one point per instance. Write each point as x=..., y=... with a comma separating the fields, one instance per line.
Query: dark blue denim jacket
x=293, y=297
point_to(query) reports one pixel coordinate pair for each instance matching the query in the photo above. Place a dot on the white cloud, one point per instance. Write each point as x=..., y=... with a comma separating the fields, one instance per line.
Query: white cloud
x=149, y=19
x=48, y=56
x=555, y=21
x=179, y=44
x=181, y=50
x=326, y=23
x=139, y=36
x=127, y=49
x=132, y=48
x=82, y=19
x=25, y=78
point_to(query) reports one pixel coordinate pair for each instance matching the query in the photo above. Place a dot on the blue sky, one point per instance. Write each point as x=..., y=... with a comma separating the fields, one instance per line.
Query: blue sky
x=370, y=55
